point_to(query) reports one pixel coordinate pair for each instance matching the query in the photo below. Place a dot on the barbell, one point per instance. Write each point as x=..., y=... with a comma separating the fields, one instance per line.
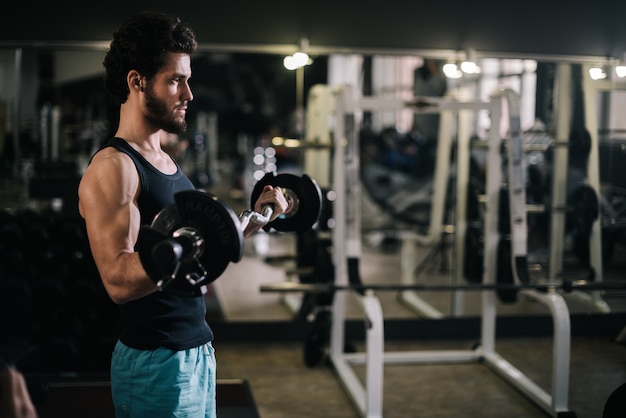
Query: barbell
x=190, y=243
x=565, y=285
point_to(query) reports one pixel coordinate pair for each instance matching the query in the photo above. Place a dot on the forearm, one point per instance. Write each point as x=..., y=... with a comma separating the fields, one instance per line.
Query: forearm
x=125, y=279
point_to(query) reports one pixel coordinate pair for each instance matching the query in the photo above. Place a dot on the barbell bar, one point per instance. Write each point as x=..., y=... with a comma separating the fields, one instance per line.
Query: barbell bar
x=565, y=285
x=189, y=244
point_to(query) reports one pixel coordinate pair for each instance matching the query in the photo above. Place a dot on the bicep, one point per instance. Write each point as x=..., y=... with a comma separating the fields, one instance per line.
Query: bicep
x=107, y=196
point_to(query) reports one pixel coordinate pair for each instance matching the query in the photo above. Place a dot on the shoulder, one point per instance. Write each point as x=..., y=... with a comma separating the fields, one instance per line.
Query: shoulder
x=110, y=159
x=110, y=167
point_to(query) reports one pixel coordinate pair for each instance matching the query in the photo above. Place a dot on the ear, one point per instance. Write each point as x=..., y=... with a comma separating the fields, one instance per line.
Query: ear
x=135, y=80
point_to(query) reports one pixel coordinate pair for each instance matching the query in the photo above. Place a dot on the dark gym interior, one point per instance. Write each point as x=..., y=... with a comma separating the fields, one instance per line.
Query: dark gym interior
x=408, y=208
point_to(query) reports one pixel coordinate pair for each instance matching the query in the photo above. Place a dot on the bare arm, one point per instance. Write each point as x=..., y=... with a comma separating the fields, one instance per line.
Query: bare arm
x=15, y=401
x=108, y=202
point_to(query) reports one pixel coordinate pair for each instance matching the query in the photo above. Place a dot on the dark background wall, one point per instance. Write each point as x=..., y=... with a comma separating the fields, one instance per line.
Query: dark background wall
x=524, y=27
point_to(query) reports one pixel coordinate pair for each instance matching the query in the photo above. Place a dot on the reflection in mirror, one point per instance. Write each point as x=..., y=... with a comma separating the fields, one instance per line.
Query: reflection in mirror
x=398, y=158
x=250, y=115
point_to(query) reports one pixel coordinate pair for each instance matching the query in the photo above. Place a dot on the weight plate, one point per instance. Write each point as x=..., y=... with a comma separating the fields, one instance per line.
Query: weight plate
x=167, y=220
x=308, y=206
x=218, y=225
x=504, y=272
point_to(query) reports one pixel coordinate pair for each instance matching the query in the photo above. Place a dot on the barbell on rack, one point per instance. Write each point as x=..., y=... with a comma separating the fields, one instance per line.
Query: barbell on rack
x=189, y=244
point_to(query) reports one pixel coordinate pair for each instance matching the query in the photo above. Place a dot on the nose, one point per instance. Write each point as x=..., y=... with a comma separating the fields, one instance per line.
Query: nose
x=187, y=94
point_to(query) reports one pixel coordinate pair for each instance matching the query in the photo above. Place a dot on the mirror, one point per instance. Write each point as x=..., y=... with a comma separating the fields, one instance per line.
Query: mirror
x=248, y=101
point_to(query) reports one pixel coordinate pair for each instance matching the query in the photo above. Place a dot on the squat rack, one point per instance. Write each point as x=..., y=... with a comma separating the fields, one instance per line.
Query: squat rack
x=591, y=89
x=368, y=396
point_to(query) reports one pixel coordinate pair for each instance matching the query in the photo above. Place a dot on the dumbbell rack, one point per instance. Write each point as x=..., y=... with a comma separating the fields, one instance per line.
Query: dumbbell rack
x=368, y=396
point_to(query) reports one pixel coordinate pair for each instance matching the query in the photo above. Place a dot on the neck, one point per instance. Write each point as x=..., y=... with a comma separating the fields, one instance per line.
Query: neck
x=134, y=128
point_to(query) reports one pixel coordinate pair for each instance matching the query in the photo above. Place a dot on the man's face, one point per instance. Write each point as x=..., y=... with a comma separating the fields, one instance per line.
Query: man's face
x=168, y=93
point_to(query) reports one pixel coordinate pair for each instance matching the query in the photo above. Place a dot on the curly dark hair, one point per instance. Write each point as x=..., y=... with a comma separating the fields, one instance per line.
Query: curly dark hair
x=141, y=44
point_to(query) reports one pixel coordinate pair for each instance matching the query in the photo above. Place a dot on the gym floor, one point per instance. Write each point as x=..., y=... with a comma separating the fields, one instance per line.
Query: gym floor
x=283, y=386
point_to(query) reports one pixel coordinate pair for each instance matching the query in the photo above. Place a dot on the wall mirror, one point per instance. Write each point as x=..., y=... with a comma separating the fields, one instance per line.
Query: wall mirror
x=247, y=101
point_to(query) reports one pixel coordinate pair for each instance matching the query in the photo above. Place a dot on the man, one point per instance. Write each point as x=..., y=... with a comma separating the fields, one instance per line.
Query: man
x=163, y=364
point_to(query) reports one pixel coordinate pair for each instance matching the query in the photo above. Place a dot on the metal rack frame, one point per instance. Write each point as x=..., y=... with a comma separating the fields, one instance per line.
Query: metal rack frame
x=368, y=396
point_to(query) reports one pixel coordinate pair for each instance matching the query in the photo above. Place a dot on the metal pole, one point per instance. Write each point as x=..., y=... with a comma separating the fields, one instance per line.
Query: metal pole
x=16, y=112
x=300, y=100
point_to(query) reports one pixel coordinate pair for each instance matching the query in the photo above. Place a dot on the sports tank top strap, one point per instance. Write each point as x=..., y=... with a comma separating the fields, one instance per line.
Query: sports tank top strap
x=123, y=146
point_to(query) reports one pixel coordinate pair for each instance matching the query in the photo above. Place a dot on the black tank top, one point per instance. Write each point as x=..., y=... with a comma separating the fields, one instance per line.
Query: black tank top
x=161, y=319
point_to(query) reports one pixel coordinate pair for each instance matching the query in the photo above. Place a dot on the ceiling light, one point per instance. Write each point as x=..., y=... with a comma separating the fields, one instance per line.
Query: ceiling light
x=597, y=73
x=300, y=58
x=452, y=70
x=470, y=67
x=290, y=62
x=469, y=64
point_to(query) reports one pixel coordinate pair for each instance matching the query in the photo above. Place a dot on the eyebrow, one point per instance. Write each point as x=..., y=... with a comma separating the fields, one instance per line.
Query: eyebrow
x=180, y=75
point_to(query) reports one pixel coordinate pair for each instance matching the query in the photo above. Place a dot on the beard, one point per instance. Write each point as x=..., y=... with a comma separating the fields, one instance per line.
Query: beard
x=159, y=115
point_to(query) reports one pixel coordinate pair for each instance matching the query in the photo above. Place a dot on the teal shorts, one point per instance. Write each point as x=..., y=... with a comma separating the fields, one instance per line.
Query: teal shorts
x=163, y=383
